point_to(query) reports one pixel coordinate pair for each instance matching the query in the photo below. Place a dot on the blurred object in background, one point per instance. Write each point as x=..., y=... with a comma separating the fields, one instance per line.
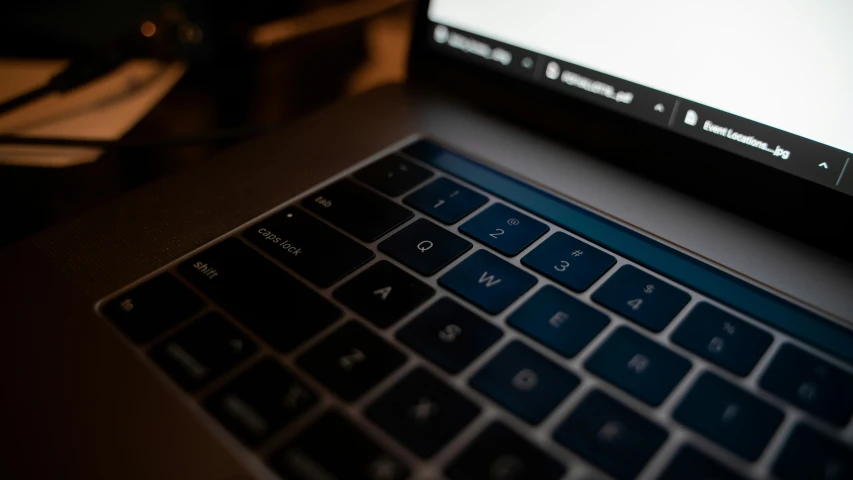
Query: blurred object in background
x=105, y=109
x=304, y=54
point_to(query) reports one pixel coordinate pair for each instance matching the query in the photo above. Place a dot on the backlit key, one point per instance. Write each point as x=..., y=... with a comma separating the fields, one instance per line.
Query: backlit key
x=610, y=435
x=504, y=229
x=445, y=200
x=641, y=367
x=524, y=382
x=732, y=417
x=487, y=281
x=722, y=338
x=810, y=383
x=362, y=213
x=641, y=297
x=311, y=248
x=570, y=262
x=558, y=321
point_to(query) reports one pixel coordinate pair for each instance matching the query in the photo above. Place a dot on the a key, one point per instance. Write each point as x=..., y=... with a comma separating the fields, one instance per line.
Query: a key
x=425, y=247
x=638, y=365
x=735, y=419
x=260, y=401
x=383, y=294
x=691, y=463
x=311, y=248
x=811, y=384
x=422, y=413
x=393, y=175
x=722, y=338
x=449, y=335
x=351, y=360
x=500, y=453
x=276, y=306
x=813, y=455
x=202, y=351
x=487, y=281
x=445, y=200
x=524, y=382
x=558, y=321
x=335, y=448
x=504, y=229
x=641, y=297
x=568, y=261
x=152, y=307
x=610, y=435
x=356, y=210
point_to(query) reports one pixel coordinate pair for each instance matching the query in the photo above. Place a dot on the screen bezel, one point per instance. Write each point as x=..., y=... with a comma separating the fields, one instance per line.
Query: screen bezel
x=812, y=213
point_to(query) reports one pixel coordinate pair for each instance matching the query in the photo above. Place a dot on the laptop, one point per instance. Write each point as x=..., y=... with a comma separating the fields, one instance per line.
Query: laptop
x=583, y=240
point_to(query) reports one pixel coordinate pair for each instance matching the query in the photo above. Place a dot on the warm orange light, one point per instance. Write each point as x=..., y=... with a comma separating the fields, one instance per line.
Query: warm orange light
x=148, y=29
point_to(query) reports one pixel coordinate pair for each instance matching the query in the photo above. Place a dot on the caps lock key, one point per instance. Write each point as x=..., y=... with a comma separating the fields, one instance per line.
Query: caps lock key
x=311, y=248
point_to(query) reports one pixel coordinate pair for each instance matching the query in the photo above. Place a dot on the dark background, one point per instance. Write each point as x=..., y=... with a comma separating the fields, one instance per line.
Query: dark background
x=228, y=84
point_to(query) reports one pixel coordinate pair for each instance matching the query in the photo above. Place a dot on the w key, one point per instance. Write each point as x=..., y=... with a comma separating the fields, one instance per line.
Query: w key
x=311, y=248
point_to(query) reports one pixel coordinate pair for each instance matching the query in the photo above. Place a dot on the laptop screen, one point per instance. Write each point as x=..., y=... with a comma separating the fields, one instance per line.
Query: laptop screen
x=769, y=80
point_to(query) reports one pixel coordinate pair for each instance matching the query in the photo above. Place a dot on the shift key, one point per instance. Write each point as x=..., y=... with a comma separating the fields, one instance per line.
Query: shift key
x=311, y=248
x=358, y=211
x=273, y=303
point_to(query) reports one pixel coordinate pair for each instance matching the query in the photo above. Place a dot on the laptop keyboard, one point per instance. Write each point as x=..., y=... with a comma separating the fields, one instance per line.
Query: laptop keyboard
x=402, y=322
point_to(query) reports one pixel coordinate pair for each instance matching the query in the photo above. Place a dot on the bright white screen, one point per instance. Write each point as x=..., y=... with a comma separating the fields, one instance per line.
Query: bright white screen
x=784, y=63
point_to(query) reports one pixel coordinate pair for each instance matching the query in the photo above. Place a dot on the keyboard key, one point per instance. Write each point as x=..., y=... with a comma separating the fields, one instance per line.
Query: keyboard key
x=810, y=454
x=639, y=366
x=524, y=382
x=449, y=335
x=641, y=297
x=504, y=229
x=558, y=321
x=356, y=210
x=311, y=248
x=722, y=338
x=811, y=384
x=500, y=453
x=425, y=247
x=261, y=401
x=383, y=294
x=351, y=360
x=152, y=308
x=691, y=463
x=487, y=281
x=568, y=261
x=393, y=175
x=445, y=200
x=276, y=306
x=202, y=351
x=334, y=448
x=608, y=434
x=729, y=416
x=422, y=413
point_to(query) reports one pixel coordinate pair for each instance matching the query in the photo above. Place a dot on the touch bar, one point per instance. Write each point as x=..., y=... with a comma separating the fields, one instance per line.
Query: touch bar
x=703, y=278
